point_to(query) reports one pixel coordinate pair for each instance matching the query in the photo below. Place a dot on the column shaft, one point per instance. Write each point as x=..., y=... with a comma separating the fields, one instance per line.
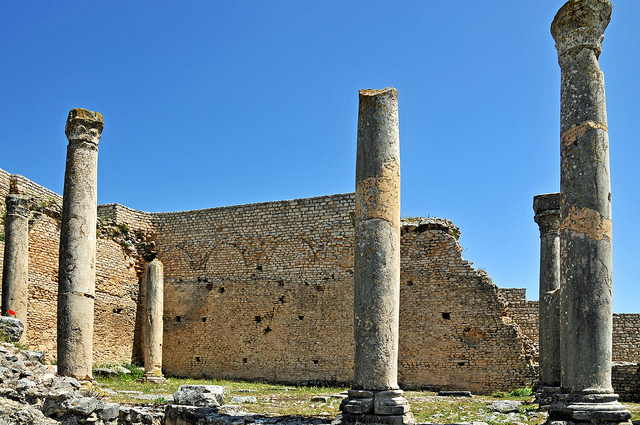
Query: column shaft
x=375, y=393
x=153, y=322
x=585, y=213
x=547, y=215
x=15, y=273
x=76, y=275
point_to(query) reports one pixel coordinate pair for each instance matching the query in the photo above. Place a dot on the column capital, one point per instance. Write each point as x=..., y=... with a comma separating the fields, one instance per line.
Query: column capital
x=17, y=205
x=580, y=24
x=84, y=126
x=547, y=212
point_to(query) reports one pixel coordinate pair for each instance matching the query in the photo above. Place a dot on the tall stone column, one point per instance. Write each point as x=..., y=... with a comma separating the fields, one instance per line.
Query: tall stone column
x=15, y=290
x=76, y=275
x=585, y=229
x=153, y=322
x=375, y=396
x=547, y=215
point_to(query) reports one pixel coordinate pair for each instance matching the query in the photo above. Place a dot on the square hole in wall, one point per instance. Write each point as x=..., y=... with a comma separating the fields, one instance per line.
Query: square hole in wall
x=315, y=362
x=204, y=320
x=446, y=316
x=198, y=359
x=244, y=360
x=258, y=319
x=300, y=317
x=221, y=289
x=178, y=319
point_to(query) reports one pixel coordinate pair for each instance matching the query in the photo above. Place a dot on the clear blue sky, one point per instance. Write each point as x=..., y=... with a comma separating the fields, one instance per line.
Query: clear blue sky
x=218, y=103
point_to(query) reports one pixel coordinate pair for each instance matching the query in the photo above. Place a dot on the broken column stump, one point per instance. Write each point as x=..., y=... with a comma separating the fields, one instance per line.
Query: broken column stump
x=585, y=230
x=375, y=396
x=76, y=275
x=153, y=323
x=547, y=215
x=15, y=269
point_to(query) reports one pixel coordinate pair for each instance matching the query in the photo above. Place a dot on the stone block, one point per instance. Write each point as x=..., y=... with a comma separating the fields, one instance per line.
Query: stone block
x=199, y=395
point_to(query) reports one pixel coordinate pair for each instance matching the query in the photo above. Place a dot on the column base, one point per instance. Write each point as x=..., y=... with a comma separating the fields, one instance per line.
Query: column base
x=152, y=377
x=374, y=407
x=601, y=409
x=544, y=395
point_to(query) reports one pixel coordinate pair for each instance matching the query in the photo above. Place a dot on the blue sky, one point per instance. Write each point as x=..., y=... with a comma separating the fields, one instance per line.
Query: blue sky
x=214, y=103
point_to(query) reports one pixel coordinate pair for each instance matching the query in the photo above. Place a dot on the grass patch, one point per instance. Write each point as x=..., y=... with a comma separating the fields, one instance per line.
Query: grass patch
x=275, y=400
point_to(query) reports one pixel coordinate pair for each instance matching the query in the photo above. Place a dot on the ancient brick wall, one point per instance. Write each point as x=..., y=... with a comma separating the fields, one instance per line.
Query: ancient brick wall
x=626, y=326
x=117, y=270
x=454, y=328
x=265, y=291
x=259, y=291
x=626, y=334
x=625, y=379
x=522, y=311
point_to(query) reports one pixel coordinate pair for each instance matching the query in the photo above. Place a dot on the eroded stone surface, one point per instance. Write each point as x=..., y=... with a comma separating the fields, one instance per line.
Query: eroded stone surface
x=76, y=275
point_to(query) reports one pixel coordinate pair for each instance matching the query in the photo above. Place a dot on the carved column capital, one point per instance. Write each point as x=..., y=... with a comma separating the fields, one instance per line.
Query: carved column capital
x=580, y=24
x=17, y=205
x=84, y=126
x=547, y=213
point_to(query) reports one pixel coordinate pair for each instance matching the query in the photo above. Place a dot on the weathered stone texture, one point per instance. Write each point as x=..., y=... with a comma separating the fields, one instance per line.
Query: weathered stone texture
x=523, y=312
x=439, y=296
x=117, y=280
x=313, y=322
x=15, y=272
x=154, y=295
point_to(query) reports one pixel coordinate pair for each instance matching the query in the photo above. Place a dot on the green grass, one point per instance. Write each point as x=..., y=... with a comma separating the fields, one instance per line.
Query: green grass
x=274, y=399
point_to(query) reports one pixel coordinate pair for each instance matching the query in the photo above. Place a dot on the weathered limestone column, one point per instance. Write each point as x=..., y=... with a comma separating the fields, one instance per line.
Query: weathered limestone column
x=547, y=215
x=585, y=229
x=375, y=396
x=153, y=322
x=76, y=275
x=15, y=290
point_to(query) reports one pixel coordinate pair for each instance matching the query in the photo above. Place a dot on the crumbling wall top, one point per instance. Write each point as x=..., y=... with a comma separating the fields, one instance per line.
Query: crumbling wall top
x=422, y=224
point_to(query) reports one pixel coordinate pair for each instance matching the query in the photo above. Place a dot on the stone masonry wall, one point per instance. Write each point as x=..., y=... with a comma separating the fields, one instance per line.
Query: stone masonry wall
x=454, y=328
x=626, y=334
x=116, y=279
x=522, y=311
x=625, y=379
x=265, y=291
x=626, y=326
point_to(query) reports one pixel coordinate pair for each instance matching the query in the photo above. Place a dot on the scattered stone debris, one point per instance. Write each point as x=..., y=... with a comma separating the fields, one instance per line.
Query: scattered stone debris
x=455, y=394
x=11, y=328
x=199, y=395
x=242, y=400
x=505, y=406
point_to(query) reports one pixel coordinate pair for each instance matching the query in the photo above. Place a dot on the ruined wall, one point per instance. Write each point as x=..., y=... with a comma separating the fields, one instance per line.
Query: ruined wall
x=116, y=279
x=626, y=326
x=265, y=291
x=625, y=379
x=259, y=291
x=626, y=334
x=454, y=331
x=522, y=311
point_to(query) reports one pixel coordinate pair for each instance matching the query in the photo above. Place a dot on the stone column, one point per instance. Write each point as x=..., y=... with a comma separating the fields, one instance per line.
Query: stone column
x=76, y=275
x=585, y=213
x=375, y=396
x=15, y=290
x=547, y=215
x=153, y=323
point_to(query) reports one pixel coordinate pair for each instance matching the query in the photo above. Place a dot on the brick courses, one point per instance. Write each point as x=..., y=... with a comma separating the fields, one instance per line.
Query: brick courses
x=265, y=291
